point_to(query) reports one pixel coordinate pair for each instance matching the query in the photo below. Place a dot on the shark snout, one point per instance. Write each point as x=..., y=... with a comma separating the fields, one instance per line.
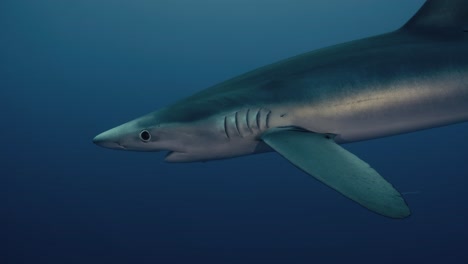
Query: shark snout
x=103, y=142
x=108, y=139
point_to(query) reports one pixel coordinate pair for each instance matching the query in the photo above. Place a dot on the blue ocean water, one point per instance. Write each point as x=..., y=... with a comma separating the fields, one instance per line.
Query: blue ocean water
x=72, y=69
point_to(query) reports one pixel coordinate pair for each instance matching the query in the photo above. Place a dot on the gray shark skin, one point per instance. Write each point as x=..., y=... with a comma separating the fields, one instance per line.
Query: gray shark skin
x=410, y=79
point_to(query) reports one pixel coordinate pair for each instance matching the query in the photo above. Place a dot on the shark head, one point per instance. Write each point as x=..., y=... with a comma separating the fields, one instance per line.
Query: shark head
x=147, y=134
x=196, y=140
x=138, y=135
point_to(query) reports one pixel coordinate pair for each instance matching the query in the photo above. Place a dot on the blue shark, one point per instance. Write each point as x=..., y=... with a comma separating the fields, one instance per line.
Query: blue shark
x=305, y=107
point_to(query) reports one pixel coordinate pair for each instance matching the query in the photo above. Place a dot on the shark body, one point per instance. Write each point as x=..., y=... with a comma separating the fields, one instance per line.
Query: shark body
x=411, y=79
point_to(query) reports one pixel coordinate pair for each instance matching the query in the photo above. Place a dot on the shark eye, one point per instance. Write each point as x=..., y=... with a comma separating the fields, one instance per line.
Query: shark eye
x=145, y=135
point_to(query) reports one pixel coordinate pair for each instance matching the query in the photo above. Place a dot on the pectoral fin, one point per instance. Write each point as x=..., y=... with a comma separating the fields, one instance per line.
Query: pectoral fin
x=334, y=166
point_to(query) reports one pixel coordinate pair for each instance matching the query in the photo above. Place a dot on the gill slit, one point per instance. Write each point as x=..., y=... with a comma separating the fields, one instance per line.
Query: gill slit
x=247, y=120
x=267, y=120
x=225, y=128
x=236, y=119
x=257, y=118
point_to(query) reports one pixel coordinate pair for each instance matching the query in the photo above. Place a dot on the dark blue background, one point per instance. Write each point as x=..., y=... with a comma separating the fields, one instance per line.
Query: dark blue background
x=72, y=69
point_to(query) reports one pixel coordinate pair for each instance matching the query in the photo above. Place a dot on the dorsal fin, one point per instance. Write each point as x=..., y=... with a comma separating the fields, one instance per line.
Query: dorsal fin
x=440, y=15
